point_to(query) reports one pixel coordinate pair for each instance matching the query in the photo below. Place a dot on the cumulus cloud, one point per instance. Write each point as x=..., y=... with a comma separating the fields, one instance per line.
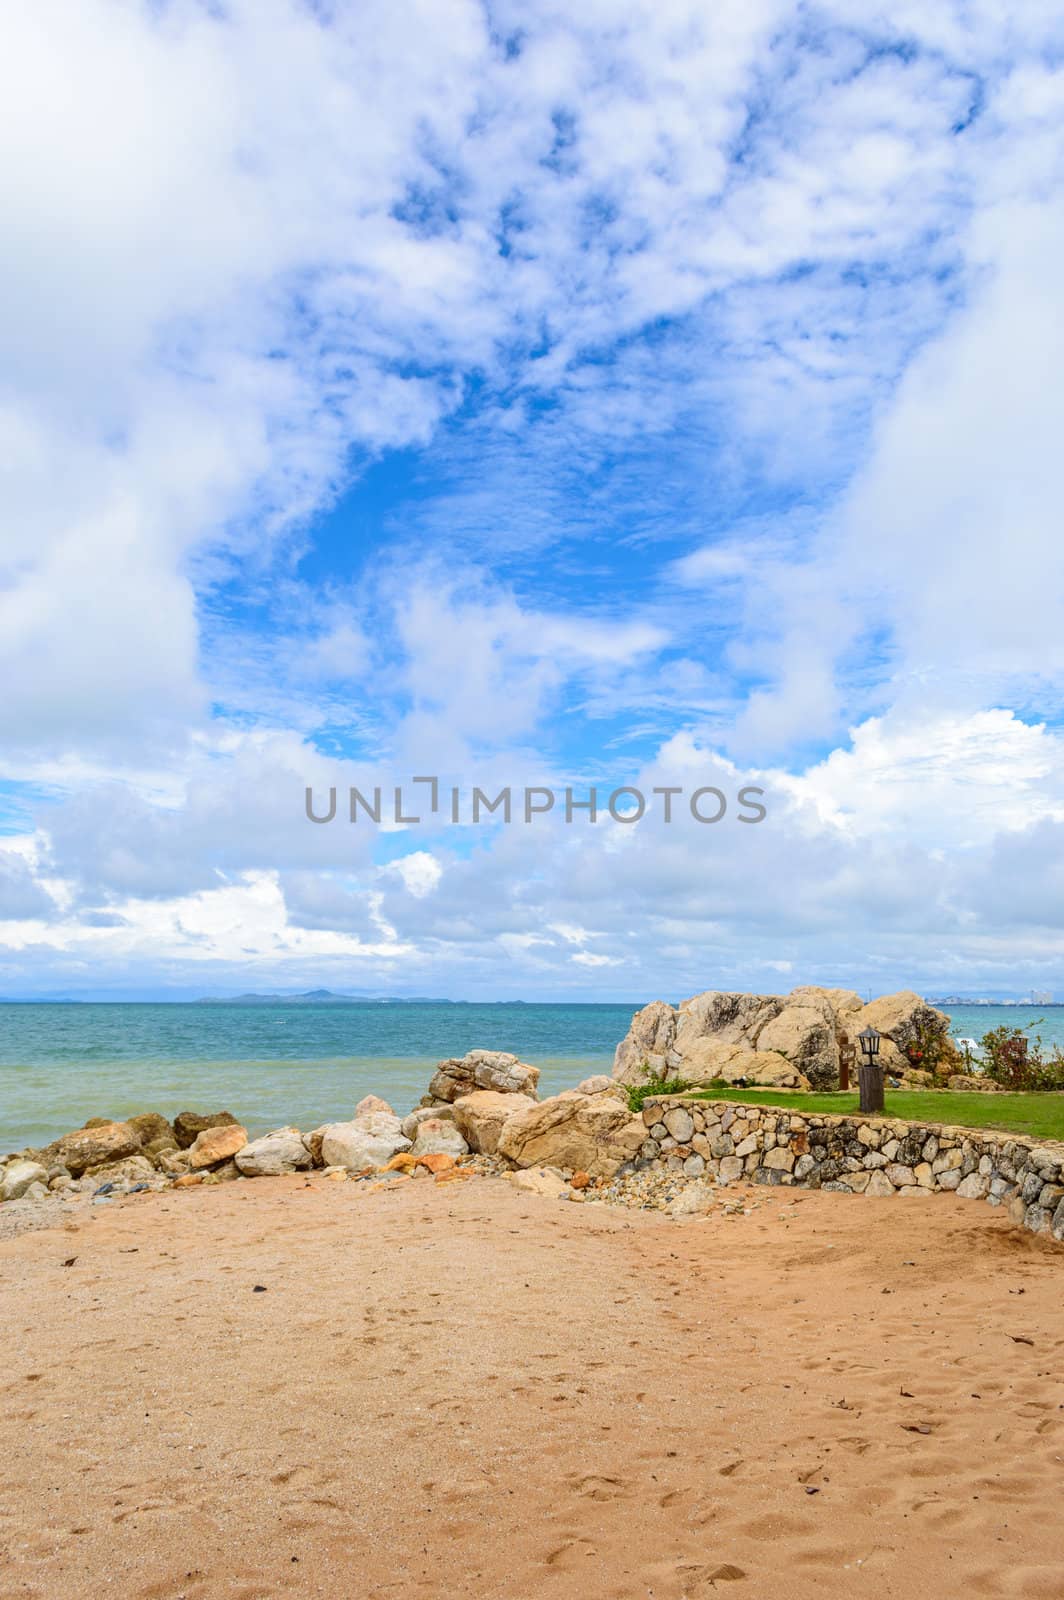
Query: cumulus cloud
x=714, y=353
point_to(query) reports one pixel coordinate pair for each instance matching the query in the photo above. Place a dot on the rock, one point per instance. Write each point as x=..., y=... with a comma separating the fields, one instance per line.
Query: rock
x=879, y=1183
x=172, y=1162
x=151, y=1127
x=283, y=1150
x=187, y=1179
x=437, y=1137
x=902, y=1019
x=479, y=1117
x=973, y=1187
x=591, y=1133
x=216, y=1144
x=721, y=1034
x=92, y=1147
x=972, y=1083
x=900, y=1176
x=355, y=1146
x=804, y=1035
x=373, y=1102
x=599, y=1083
x=434, y=1161
x=134, y=1169
x=693, y=1200
x=483, y=1069
x=580, y=1180
x=782, y=1159
x=680, y=1124
x=642, y=1052
x=538, y=1180
x=413, y=1121
x=189, y=1124
x=731, y=1168
x=17, y=1176
x=694, y=1166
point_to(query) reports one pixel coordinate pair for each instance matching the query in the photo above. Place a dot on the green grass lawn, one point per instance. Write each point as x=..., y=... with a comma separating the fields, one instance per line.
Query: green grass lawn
x=1041, y=1115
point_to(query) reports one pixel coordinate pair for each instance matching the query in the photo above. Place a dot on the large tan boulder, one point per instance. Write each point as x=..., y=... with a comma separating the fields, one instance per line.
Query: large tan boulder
x=698, y=1040
x=93, y=1147
x=483, y=1069
x=215, y=1145
x=589, y=1133
x=805, y=1034
x=189, y=1124
x=480, y=1117
x=643, y=1051
x=709, y=1060
x=729, y=1018
x=901, y=1019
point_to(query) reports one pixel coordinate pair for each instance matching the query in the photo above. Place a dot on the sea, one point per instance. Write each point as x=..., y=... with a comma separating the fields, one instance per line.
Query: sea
x=303, y=1063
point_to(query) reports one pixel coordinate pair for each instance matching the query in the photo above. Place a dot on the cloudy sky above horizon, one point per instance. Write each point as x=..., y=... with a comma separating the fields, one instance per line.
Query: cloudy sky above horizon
x=664, y=395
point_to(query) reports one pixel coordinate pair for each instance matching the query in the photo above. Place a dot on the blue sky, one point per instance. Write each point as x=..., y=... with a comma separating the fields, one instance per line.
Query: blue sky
x=656, y=396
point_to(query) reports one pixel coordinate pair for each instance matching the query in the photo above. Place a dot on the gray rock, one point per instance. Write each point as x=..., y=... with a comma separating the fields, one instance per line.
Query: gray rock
x=281, y=1151
x=680, y=1124
x=19, y=1176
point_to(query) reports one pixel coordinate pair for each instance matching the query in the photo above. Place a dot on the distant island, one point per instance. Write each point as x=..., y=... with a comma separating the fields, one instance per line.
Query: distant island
x=324, y=997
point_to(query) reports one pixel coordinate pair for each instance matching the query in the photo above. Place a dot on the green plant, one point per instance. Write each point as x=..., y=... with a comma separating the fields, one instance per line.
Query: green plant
x=1020, y=1063
x=638, y=1093
x=933, y=1052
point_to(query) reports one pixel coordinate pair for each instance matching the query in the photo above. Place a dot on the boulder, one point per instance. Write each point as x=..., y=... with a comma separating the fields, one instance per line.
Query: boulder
x=215, y=1145
x=189, y=1124
x=151, y=1128
x=591, y=1133
x=283, y=1150
x=804, y=1035
x=172, y=1162
x=693, y=1200
x=17, y=1177
x=902, y=1019
x=642, y=1052
x=538, y=1180
x=134, y=1169
x=479, y=1117
x=599, y=1083
x=413, y=1121
x=92, y=1147
x=437, y=1136
x=356, y=1147
x=483, y=1069
x=373, y=1102
x=970, y=1082
x=705, y=1037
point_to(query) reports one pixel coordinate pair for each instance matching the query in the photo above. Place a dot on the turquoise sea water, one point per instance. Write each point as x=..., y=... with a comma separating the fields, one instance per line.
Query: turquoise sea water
x=268, y=1064
x=306, y=1064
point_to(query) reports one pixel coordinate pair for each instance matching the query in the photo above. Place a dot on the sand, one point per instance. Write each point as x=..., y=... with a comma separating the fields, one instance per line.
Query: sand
x=461, y=1389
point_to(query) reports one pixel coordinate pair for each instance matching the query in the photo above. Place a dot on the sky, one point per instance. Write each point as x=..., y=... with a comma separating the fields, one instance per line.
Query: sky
x=646, y=395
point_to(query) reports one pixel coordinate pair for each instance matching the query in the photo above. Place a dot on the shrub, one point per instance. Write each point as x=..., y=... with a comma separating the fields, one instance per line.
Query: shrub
x=1019, y=1063
x=935, y=1053
x=652, y=1088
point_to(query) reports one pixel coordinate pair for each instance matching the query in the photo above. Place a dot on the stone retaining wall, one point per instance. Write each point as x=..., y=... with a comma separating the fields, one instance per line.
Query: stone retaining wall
x=729, y=1141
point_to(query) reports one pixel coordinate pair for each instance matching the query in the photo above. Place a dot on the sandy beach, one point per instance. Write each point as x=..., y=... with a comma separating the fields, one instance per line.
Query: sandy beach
x=300, y=1387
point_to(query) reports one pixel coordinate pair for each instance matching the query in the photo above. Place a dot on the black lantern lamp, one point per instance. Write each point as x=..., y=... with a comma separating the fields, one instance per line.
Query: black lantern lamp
x=869, y=1073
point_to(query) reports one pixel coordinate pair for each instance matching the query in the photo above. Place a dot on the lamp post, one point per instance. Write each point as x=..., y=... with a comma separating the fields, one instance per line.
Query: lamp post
x=869, y=1073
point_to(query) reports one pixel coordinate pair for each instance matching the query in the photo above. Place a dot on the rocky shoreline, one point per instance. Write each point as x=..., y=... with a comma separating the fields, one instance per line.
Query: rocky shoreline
x=481, y=1115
